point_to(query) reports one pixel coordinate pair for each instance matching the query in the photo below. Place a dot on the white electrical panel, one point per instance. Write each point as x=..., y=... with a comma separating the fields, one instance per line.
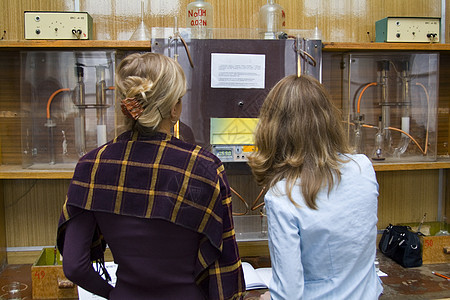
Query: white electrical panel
x=41, y=25
x=408, y=30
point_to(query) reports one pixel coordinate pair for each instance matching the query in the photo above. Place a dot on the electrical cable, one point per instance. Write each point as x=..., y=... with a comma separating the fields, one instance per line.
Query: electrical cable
x=243, y=200
x=301, y=53
x=257, y=199
x=187, y=51
x=14, y=202
x=247, y=208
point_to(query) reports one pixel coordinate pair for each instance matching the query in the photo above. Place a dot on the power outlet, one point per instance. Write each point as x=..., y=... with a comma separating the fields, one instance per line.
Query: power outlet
x=41, y=25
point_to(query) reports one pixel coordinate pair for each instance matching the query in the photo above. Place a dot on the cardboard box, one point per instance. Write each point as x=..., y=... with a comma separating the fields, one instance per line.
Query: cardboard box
x=433, y=249
x=433, y=245
x=48, y=280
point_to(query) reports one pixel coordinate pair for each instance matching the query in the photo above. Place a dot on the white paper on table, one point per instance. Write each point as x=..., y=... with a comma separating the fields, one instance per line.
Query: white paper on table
x=256, y=278
x=111, y=267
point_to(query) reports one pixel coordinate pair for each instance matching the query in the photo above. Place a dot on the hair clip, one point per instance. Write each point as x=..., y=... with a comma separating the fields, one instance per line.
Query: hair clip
x=131, y=108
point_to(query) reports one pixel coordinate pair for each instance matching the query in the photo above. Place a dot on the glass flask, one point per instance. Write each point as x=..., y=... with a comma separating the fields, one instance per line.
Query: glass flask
x=271, y=20
x=200, y=19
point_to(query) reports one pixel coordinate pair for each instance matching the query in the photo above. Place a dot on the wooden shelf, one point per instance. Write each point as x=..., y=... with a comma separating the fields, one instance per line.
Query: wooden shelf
x=58, y=44
x=139, y=45
x=331, y=46
x=439, y=164
x=17, y=172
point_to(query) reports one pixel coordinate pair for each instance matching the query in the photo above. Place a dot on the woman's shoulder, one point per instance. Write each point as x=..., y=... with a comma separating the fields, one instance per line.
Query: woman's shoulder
x=92, y=154
x=202, y=153
x=357, y=166
x=357, y=159
x=277, y=192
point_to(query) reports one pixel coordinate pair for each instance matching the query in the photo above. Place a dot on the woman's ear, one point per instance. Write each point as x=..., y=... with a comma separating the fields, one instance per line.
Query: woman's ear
x=175, y=112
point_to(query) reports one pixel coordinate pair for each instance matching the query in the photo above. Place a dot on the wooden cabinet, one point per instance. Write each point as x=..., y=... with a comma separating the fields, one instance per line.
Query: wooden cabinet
x=31, y=200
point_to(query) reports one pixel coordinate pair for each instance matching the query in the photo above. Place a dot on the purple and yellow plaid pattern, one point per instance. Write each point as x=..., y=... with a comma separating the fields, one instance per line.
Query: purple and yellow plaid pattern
x=162, y=177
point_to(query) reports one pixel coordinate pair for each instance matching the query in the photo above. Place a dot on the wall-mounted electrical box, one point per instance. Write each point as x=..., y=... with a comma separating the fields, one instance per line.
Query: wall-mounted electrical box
x=40, y=25
x=408, y=30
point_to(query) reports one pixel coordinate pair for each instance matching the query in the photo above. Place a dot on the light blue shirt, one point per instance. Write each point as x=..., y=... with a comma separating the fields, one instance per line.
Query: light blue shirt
x=326, y=253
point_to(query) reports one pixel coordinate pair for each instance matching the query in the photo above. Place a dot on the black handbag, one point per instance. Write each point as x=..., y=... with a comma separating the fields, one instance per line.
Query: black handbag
x=402, y=245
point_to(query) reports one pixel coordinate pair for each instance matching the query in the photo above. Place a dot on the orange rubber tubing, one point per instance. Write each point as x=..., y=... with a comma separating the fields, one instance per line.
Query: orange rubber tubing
x=51, y=99
x=360, y=95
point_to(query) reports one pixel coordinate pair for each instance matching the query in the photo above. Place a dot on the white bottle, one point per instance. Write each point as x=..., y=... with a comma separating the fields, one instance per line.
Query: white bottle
x=272, y=20
x=200, y=19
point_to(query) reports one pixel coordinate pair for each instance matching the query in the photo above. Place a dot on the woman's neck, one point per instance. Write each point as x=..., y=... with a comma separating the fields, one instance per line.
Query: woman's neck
x=165, y=126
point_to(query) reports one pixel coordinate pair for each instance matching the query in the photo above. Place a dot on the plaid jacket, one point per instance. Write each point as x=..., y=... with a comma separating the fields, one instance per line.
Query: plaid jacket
x=162, y=177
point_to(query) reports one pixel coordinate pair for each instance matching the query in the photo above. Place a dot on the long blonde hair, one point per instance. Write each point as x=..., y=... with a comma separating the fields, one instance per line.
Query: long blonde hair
x=156, y=81
x=299, y=136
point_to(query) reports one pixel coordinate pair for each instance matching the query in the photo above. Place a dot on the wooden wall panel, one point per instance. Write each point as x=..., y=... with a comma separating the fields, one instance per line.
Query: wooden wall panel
x=444, y=106
x=32, y=209
x=10, y=108
x=446, y=209
x=3, y=244
x=12, y=17
x=406, y=195
x=339, y=20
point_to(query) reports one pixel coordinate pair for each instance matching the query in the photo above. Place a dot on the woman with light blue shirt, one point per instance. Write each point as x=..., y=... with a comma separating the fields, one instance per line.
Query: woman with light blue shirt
x=321, y=202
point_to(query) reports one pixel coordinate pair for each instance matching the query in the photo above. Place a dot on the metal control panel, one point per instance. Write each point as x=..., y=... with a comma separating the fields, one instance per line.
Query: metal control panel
x=41, y=25
x=408, y=30
x=233, y=153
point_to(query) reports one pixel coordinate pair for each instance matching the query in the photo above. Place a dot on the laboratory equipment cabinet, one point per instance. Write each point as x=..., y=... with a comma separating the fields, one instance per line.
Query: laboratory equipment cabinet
x=31, y=196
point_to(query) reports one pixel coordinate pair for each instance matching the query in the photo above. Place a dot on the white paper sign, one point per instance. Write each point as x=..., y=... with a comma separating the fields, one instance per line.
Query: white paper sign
x=238, y=71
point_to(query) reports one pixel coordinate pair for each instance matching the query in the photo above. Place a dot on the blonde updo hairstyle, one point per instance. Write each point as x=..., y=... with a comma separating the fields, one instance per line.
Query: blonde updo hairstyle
x=156, y=81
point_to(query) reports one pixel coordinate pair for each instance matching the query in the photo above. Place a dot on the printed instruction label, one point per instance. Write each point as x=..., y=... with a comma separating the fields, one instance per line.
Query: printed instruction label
x=238, y=71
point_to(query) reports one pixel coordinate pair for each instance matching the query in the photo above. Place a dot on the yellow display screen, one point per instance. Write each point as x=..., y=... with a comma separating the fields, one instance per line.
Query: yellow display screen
x=232, y=131
x=222, y=153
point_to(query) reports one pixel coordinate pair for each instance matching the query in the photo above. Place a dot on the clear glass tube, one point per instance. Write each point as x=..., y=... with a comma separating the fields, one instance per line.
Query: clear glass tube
x=100, y=92
x=358, y=135
x=443, y=227
x=80, y=118
x=264, y=225
x=378, y=153
x=51, y=141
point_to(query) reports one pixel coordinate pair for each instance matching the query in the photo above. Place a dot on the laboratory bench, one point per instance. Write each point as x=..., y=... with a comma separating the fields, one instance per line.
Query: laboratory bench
x=400, y=283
